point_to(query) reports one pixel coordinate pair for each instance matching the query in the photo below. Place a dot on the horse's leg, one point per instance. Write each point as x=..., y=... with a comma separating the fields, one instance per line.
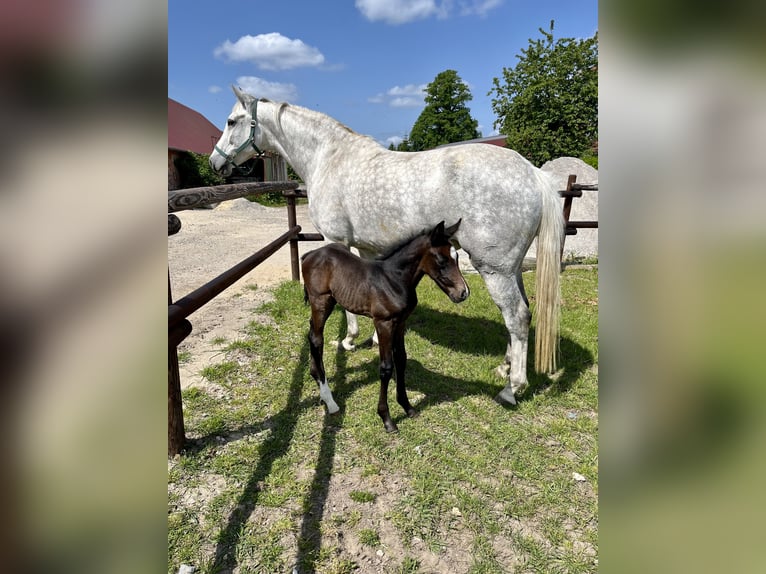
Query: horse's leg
x=385, y=340
x=352, y=321
x=504, y=370
x=508, y=293
x=352, y=331
x=320, y=311
x=400, y=363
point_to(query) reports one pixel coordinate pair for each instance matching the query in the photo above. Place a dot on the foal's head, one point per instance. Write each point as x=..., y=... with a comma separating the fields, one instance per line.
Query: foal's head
x=440, y=263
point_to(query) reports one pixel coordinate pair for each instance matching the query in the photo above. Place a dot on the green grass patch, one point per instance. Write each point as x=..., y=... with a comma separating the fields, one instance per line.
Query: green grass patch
x=270, y=481
x=362, y=496
x=369, y=537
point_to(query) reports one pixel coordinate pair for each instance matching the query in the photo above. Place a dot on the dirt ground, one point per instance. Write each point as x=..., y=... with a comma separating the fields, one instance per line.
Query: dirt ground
x=210, y=242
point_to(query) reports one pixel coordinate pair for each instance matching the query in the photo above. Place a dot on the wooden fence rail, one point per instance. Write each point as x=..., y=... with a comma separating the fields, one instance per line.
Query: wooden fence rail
x=575, y=190
x=179, y=326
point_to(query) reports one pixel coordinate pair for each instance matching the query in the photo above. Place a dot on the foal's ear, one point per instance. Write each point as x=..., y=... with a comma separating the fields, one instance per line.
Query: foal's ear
x=450, y=231
x=438, y=231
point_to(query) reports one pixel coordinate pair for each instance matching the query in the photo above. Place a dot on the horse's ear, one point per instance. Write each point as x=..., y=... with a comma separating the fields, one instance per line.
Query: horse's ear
x=450, y=231
x=438, y=231
x=241, y=96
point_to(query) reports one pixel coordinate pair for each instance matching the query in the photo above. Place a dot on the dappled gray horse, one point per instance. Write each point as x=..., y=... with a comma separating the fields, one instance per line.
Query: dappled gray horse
x=371, y=198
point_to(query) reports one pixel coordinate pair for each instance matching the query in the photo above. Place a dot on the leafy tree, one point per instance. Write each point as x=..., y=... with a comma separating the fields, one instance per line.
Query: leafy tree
x=548, y=103
x=404, y=145
x=194, y=171
x=445, y=119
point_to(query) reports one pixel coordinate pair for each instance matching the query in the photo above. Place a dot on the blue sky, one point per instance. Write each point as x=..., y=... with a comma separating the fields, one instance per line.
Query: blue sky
x=363, y=62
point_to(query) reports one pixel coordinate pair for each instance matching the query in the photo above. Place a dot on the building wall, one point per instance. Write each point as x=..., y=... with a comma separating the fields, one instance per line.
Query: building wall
x=174, y=179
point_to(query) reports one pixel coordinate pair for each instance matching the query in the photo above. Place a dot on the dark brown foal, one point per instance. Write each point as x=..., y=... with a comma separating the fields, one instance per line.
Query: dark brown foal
x=383, y=289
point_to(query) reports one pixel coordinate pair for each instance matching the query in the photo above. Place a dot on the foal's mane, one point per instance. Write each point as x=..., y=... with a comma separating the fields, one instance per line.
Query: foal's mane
x=403, y=245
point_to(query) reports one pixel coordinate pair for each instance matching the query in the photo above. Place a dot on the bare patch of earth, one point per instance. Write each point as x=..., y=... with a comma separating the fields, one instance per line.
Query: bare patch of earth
x=210, y=242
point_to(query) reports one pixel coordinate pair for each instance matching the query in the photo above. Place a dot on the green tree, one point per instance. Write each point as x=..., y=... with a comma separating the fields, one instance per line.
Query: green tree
x=194, y=171
x=548, y=103
x=445, y=119
x=404, y=145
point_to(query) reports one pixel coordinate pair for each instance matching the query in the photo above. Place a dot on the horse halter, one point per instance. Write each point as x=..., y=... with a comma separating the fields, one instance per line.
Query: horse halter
x=250, y=141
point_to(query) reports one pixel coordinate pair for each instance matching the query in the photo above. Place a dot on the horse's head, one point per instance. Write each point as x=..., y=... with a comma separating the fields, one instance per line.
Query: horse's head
x=238, y=142
x=441, y=264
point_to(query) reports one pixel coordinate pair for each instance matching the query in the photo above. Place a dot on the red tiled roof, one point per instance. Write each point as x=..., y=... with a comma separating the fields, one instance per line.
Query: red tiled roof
x=189, y=130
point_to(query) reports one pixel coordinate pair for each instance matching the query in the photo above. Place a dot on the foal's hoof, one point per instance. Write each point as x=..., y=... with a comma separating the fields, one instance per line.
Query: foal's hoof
x=506, y=398
x=391, y=427
x=412, y=413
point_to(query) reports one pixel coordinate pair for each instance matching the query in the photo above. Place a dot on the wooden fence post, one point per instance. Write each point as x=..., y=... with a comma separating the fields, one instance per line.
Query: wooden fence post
x=567, y=210
x=292, y=221
x=176, y=434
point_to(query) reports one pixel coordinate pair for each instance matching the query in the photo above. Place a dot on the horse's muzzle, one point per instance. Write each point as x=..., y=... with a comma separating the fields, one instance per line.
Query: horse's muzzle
x=460, y=296
x=220, y=165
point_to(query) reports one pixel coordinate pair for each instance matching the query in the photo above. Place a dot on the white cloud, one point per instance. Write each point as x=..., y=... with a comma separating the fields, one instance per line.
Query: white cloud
x=261, y=88
x=478, y=7
x=403, y=11
x=270, y=52
x=215, y=89
x=396, y=11
x=408, y=90
x=409, y=96
x=396, y=140
x=405, y=103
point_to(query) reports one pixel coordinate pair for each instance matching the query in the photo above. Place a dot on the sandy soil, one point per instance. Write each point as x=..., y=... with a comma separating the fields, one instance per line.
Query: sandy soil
x=211, y=241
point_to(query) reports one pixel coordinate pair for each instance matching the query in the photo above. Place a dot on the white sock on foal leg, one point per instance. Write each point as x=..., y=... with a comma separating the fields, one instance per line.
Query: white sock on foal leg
x=326, y=395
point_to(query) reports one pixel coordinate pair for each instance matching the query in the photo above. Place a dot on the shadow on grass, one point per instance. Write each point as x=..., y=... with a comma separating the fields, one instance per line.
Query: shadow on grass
x=278, y=443
x=477, y=336
x=274, y=447
x=470, y=335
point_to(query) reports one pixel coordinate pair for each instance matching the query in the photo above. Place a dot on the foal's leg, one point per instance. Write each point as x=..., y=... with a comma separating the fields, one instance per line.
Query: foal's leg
x=385, y=339
x=507, y=292
x=400, y=363
x=321, y=307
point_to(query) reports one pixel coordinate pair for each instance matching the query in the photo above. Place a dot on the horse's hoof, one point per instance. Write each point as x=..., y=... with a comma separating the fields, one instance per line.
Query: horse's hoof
x=391, y=428
x=505, y=398
x=348, y=345
x=412, y=413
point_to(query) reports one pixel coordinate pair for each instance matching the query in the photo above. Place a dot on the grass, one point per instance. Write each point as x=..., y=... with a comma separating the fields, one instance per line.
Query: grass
x=269, y=481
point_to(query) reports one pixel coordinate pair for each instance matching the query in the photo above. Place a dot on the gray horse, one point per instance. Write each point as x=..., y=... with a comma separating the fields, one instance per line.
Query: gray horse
x=373, y=199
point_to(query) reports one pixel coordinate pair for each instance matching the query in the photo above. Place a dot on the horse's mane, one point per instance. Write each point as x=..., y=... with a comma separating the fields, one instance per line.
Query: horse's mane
x=281, y=106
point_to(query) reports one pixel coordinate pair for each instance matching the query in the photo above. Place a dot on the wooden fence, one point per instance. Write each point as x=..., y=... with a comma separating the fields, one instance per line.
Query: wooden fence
x=575, y=190
x=179, y=327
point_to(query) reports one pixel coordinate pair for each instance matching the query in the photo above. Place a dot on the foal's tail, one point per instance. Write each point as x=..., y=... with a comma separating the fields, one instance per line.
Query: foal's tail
x=549, y=240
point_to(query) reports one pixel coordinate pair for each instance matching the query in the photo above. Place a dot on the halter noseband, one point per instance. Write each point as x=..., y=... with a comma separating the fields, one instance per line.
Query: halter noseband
x=250, y=141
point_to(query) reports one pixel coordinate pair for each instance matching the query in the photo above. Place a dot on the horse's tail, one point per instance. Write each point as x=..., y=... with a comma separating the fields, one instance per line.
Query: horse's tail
x=549, y=240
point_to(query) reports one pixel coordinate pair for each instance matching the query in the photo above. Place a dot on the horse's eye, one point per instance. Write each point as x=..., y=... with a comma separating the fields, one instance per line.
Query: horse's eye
x=231, y=123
